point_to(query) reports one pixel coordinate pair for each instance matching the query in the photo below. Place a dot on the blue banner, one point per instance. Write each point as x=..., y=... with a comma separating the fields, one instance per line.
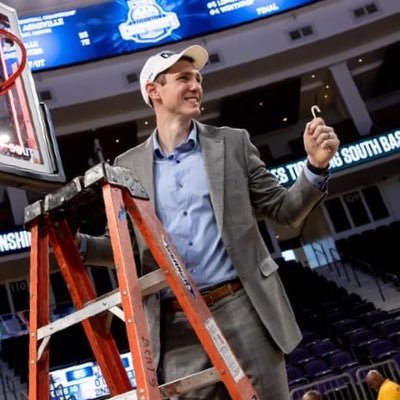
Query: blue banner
x=350, y=155
x=119, y=27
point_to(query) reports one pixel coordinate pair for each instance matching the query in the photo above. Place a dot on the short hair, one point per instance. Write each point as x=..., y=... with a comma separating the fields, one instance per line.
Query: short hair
x=312, y=395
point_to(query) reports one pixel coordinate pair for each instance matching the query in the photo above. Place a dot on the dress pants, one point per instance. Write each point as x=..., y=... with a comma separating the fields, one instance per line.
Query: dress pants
x=182, y=353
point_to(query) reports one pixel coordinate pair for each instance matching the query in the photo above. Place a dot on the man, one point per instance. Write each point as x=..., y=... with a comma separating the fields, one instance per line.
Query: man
x=312, y=395
x=386, y=389
x=208, y=186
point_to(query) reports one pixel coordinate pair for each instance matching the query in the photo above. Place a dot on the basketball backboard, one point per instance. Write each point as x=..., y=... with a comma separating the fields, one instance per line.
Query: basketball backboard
x=29, y=156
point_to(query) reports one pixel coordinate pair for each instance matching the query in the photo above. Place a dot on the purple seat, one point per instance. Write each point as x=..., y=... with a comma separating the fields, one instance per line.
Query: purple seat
x=382, y=350
x=362, y=338
x=344, y=362
x=375, y=317
x=396, y=341
x=335, y=316
x=358, y=343
x=345, y=327
x=295, y=376
x=390, y=328
x=308, y=338
x=362, y=308
x=324, y=348
x=317, y=369
x=299, y=356
x=396, y=358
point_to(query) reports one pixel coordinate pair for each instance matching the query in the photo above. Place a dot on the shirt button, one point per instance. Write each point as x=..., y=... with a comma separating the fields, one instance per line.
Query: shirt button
x=190, y=243
x=179, y=185
x=185, y=213
x=178, y=162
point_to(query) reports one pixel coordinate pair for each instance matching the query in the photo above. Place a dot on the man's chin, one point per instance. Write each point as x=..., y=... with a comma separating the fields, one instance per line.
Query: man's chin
x=194, y=113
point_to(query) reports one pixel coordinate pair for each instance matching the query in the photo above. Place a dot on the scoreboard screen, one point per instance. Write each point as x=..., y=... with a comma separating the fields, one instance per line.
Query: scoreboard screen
x=118, y=27
x=84, y=381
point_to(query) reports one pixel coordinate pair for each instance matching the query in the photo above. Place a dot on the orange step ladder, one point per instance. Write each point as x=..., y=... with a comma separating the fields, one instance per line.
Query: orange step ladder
x=49, y=221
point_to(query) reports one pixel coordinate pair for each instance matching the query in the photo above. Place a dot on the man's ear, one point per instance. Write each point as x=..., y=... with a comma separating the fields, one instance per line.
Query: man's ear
x=151, y=89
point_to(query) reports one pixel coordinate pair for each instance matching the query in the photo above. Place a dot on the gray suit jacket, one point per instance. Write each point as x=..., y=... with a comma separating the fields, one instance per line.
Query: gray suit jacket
x=241, y=189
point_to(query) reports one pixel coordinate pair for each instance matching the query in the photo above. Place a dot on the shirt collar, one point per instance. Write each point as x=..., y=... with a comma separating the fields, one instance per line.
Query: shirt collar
x=190, y=144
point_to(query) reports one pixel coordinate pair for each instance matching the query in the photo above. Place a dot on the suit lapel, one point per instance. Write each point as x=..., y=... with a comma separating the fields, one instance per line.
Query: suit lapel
x=145, y=169
x=212, y=147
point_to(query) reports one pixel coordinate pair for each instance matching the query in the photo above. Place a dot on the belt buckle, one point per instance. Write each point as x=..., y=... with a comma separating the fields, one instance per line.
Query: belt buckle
x=208, y=297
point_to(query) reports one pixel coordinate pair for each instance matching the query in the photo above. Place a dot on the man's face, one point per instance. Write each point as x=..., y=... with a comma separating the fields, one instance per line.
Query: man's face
x=181, y=94
x=374, y=383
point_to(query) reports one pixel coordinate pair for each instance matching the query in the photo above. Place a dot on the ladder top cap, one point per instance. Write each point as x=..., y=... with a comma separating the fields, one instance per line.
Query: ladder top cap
x=83, y=189
x=115, y=175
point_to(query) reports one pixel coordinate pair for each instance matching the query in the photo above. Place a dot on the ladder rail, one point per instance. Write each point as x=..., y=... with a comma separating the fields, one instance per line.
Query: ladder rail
x=81, y=289
x=39, y=381
x=137, y=330
x=189, y=297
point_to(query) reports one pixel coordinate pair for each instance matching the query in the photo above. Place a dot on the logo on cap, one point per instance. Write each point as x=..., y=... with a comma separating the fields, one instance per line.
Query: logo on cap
x=167, y=54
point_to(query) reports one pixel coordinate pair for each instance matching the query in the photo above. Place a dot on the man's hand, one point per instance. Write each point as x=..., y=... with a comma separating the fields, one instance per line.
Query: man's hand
x=320, y=143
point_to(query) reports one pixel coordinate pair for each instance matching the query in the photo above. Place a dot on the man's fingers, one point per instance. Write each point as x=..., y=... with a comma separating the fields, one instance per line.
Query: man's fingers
x=323, y=132
x=314, y=124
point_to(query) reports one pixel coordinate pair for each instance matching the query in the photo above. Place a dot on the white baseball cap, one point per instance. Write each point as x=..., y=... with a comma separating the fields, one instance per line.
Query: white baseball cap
x=166, y=59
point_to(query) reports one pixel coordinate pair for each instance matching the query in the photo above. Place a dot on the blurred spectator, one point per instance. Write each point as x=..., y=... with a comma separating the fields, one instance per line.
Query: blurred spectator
x=312, y=395
x=386, y=389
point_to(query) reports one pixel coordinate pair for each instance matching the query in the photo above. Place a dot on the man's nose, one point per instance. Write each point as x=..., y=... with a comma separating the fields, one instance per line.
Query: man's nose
x=194, y=84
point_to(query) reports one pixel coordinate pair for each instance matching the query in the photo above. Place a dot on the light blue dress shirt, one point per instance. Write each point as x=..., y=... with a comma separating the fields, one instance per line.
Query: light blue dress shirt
x=183, y=205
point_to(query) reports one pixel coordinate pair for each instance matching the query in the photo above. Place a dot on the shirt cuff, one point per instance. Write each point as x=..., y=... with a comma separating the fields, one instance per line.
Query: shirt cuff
x=319, y=181
x=82, y=248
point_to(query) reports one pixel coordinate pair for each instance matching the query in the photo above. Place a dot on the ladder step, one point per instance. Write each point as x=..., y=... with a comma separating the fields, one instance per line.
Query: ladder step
x=150, y=283
x=178, y=387
x=90, y=310
x=188, y=383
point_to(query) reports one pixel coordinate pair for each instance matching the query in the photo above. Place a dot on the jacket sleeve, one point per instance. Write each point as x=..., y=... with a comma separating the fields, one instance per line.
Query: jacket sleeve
x=288, y=206
x=97, y=250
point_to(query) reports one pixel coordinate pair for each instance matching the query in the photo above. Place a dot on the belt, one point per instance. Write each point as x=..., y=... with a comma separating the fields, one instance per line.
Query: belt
x=210, y=296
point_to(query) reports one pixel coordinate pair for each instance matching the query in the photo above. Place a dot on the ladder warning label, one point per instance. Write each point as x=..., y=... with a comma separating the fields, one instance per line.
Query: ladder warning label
x=224, y=349
x=178, y=267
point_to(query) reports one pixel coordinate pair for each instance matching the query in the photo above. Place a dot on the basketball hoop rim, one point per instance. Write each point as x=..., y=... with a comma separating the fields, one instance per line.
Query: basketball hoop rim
x=10, y=81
